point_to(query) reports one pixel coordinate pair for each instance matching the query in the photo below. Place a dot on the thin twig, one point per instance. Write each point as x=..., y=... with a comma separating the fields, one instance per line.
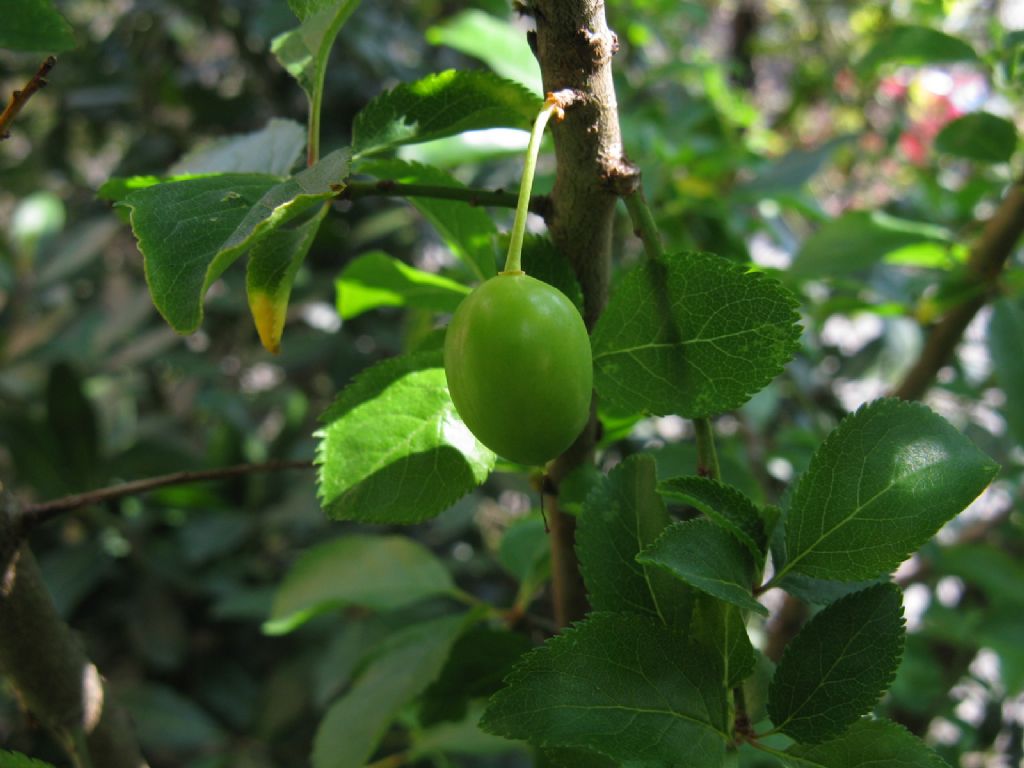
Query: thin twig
x=496, y=198
x=20, y=98
x=984, y=266
x=35, y=514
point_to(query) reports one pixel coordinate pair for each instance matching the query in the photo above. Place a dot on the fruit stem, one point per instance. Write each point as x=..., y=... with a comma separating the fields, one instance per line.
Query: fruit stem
x=513, y=262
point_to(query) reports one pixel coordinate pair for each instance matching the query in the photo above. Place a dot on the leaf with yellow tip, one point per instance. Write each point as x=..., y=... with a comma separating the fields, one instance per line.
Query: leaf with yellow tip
x=273, y=264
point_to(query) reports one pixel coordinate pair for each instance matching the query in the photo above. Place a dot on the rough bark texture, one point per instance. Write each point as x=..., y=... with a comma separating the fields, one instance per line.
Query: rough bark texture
x=575, y=49
x=46, y=665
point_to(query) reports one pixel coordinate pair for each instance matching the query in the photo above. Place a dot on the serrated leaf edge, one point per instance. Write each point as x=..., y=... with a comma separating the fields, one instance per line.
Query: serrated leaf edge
x=644, y=560
x=790, y=652
x=840, y=433
x=935, y=757
x=519, y=672
x=419, y=361
x=792, y=345
x=466, y=75
x=718, y=518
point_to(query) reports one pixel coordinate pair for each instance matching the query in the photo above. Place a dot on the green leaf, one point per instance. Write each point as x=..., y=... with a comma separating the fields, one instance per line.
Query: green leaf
x=407, y=663
x=726, y=505
x=117, y=188
x=867, y=744
x=692, y=334
x=494, y=41
x=721, y=627
x=523, y=546
x=858, y=240
x=34, y=25
x=978, y=136
x=995, y=572
x=307, y=9
x=621, y=685
x=472, y=147
x=377, y=280
x=182, y=228
x=393, y=449
x=18, y=760
x=461, y=738
x=915, y=45
x=886, y=479
x=1006, y=345
x=304, y=51
x=839, y=665
x=709, y=559
x=792, y=171
x=622, y=515
x=381, y=573
x=163, y=719
x=274, y=149
x=823, y=591
x=525, y=553
x=190, y=231
x=478, y=664
x=440, y=105
x=270, y=274
x=467, y=229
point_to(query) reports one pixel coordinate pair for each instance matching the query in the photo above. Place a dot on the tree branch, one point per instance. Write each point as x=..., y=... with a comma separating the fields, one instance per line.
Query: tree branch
x=20, y=98
x=984, y=266
x=47, y=666
x=574, y=47
x=497, y=198
x=35, y=514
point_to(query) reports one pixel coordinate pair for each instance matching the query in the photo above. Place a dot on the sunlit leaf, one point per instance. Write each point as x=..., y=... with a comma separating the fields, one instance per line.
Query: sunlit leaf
x=692, y=334
x=880, y=486
x=392, y=447
x=442, y=105
x=376, y=280
x=468, y=230
x=304, y=51
x=494, y=41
